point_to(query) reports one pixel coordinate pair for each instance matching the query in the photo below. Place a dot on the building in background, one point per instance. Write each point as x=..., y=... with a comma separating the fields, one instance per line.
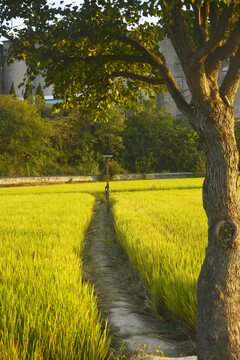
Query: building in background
x=174, y=66
x=15, y=73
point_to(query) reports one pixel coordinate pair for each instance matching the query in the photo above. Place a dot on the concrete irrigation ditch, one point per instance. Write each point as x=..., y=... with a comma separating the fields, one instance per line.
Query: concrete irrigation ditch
x=122, y=298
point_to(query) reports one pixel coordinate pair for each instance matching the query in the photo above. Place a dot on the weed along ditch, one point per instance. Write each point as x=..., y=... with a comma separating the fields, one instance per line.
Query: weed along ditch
x=134, y=328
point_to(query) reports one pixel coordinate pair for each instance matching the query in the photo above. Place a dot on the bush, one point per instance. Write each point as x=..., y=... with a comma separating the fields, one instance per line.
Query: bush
x=25, y=145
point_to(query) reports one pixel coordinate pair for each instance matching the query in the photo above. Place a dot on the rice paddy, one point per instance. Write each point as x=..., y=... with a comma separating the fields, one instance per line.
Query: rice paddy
x=165, y=236
x=115, y=186
x=46, y=311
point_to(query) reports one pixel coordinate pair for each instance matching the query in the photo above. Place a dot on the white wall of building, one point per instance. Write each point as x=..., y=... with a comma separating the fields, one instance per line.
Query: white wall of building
x=15, y=73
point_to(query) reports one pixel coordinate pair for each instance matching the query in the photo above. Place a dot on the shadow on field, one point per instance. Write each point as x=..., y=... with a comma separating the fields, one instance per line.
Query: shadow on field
x=122, y=298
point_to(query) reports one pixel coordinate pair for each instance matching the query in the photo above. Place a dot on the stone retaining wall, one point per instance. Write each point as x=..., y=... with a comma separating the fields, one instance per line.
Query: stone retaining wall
x=45, y=180
x=153, y=176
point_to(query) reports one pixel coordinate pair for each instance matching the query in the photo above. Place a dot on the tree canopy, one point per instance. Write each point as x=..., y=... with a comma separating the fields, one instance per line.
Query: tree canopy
x=89, y=51
x=34, y=141
x=24, y=138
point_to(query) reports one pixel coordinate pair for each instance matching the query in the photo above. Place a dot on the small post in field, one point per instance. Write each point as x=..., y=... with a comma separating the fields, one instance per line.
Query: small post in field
x=107, y=157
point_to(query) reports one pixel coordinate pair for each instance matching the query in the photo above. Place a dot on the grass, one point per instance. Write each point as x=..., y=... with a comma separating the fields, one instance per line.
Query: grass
x=165, y=235
x=46, y=311
x=115, y=186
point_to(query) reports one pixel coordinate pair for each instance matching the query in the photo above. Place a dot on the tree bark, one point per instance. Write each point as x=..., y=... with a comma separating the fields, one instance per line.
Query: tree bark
x=218, y=314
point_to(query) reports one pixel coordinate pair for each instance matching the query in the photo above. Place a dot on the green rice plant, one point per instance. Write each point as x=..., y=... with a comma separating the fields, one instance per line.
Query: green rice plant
x=119, y=186
x=46, y=310
x=165, y=235
x=156, y=184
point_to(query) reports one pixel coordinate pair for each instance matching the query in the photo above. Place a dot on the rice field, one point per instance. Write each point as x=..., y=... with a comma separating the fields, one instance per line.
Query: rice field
x=115, y=186
x=165, y=236
x=46, y=311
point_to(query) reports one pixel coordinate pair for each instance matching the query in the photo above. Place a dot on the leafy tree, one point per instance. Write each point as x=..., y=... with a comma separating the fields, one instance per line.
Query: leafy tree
x=89, y=53
x=25, y=145
x=28, y=93
x=12, y=90
x=108, y=134
x=10, y=9
x=78, y=140
x=81, y=142
x=155, y=142
x=40, y=93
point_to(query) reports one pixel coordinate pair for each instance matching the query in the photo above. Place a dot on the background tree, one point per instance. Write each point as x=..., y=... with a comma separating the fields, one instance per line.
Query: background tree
x=39, y=94
x=81, y=142
x=146, y=141
x=90, y=52
x=12, y=90
x=156, y=142
x=28, y=93
x=39, y=91
x=25, y=147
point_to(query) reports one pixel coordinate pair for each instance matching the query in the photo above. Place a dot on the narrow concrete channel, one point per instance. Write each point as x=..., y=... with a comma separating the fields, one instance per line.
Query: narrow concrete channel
x=122, y=297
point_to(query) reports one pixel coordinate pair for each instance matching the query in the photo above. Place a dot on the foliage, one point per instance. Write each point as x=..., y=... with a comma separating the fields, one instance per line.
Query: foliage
x=39, y=96
x=237, y=133
x=89, y=51
x=47, y=311
x=81, y=142
x=28, y=93
x=39, y=90
x=71, y=142
x=155, y=142
x=24, y=138
x=12, y=90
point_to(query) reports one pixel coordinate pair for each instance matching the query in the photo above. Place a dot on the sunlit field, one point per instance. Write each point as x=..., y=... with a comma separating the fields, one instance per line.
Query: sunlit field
x=165, y=235
x=115, y=186
x=46, y=311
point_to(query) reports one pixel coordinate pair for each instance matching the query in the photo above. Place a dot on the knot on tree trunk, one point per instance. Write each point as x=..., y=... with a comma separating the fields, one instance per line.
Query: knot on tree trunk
x=226, y=233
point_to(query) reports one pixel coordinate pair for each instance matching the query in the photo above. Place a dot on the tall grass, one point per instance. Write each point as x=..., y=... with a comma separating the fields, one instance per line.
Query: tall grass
x=119, y=186
x=165, y=235
x=46, y=311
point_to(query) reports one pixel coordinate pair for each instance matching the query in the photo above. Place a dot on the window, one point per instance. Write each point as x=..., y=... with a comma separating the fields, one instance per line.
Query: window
x=179, y=81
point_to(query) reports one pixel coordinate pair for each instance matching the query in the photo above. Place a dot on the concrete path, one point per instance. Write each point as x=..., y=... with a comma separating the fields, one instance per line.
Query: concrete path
x=122, y=297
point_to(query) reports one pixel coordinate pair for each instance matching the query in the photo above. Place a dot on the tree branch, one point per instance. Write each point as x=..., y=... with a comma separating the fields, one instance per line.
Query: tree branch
x=204, y=17
x=230, y=47
x=180, y=36
x=213, y=15
x=128, y=75
x=217, y=35
x=106, y=58
x=231, y=81
x=134, y=43
x=7, y=36
x=198, y=33
x=167, y=77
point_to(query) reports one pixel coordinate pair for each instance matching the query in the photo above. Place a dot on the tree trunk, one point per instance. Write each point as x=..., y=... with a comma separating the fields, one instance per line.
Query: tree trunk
x=218, y=314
